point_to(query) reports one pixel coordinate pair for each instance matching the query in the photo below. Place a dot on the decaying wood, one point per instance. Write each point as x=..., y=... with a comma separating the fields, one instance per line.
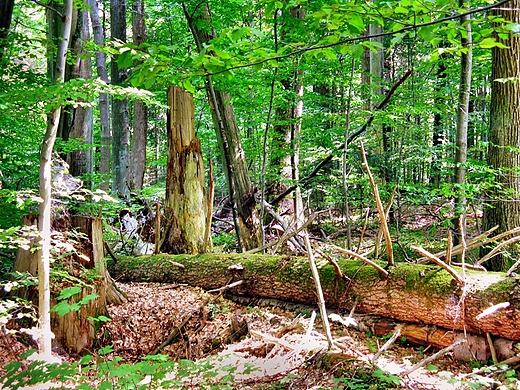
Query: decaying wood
x=74, y=331
x=388, y=344
x=432, y=358
x=412, y=293
x=371, y=263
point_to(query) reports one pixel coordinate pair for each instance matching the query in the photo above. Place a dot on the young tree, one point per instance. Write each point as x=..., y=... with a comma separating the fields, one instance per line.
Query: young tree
x=503, y=156
x=120, y=125
x=461, y=137
x=44, y=221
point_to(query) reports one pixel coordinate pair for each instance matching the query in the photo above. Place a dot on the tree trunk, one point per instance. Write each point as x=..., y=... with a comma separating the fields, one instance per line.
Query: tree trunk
x=44, y=223
x=461, y=137
x=413, y=293
x=81, y=161
x=103, y=105
x=138, y=158
x=286, y=140
x=186, y=204
x=120, y=126
x=247, y=221
x=503, y=207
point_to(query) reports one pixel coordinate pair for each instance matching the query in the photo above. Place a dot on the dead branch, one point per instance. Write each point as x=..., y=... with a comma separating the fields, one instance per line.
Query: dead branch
x=492, y=309
x=380, y=231
x=496, y=250
x=380, y=209
x=388, y=344
x=432, y=358
x=380, y=269
x=227, y=286
x=440, y=263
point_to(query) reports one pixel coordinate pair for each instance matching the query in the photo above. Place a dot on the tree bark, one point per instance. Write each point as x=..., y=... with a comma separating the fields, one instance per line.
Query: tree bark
x=103, y=105
x=186, y=204
x=503, y=207
x=413, y=293
x=120, y=126
x=247, y=220
x=138, y=157
x=81, y=161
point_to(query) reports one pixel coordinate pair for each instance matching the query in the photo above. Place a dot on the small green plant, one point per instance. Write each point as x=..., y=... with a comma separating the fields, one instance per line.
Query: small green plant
x=224, y=242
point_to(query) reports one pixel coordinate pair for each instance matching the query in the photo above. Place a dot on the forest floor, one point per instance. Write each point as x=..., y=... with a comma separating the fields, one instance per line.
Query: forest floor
x=258, y=344
x=269, y=347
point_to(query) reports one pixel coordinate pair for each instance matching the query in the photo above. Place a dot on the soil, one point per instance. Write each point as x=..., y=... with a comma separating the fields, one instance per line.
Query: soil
x=268, y=346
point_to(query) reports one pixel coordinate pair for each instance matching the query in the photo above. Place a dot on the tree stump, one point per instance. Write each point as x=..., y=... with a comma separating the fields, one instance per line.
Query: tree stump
x=74, y=331
x=186, y=204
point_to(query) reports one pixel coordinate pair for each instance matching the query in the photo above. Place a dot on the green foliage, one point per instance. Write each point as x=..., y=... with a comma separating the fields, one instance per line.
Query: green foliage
x=99, y=372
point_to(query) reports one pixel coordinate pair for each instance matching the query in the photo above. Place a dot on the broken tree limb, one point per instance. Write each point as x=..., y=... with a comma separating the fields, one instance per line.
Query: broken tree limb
x=351, y=138
x=380, y=208
x=414, y=293
x=440, y=263
x=432, y=358
x=371, y=263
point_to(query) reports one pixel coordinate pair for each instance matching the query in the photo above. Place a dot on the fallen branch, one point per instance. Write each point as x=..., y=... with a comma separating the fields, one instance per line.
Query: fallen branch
x=388, y=344
x=227, y=287
x=496, y=249
x=440, y=263
x=380, y=269
x=173, y=335
x=432, y=358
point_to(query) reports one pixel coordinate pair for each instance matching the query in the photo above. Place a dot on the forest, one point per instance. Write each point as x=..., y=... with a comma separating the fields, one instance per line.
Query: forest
x=292, y=194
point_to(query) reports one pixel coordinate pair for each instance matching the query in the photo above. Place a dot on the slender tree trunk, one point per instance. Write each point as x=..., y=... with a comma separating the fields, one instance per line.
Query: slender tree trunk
x=503, y=207
x=461, y=138
x=438, y=124
x=247, y=221
x=287, y=134
x=81, y=161
x=44, y=223
x=138, y=157
x=186, y=204
x=103, y=105
x=120, y=125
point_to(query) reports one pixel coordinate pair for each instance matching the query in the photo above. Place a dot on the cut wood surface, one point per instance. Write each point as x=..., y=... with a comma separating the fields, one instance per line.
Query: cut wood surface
x=416, y=293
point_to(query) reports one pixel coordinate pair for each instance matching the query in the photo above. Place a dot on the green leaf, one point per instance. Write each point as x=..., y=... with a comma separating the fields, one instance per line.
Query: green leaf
x=400, y=10
x=69, y=292
x=87, y=299
x=106, y=350
x=488, y=43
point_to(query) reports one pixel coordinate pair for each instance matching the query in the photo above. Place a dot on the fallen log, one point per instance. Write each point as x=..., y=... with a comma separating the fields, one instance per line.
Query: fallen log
x=414, y=293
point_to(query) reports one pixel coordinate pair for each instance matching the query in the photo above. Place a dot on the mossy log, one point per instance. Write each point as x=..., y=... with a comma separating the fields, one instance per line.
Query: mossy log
x=415, y=293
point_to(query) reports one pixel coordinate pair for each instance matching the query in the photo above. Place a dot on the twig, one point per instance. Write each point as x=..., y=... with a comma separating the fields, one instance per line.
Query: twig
x=440, y=263
x=387, y=345
x=432, y=358
x=380, y=209
x=449, y=246
x=473, y=243
x=227, y=286
x=333, y=262
x=380, y=269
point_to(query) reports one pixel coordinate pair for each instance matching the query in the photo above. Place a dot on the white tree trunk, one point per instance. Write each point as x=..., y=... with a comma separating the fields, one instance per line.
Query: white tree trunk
x=44, y=225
